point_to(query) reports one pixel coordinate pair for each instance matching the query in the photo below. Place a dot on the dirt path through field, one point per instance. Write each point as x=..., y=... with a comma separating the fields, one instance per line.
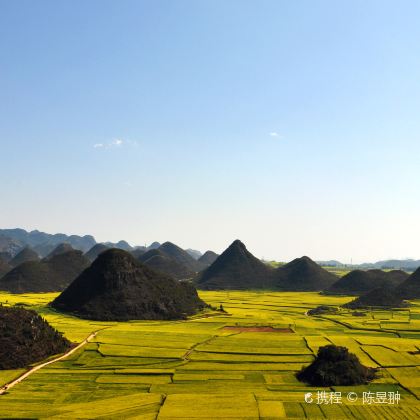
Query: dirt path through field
x=6, y=387
x=9, y=385
x=208, y=340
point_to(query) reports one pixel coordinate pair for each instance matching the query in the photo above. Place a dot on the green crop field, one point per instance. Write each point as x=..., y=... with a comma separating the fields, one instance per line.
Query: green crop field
x=198, y=369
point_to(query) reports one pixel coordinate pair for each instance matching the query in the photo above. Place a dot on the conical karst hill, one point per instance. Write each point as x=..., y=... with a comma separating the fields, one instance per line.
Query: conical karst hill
x=117, y=287
x=172, y=260
x=25, y=255
x=66, y=267
x=159, y=261
x=410, y=288
x=138, y=251
x=93, y=253
x=303, y=274
x=60, y=249
x=358, y=282
x=208, y=258
x=4, y=267
x=5, y=256
x=28, y=277
x=383, y=297
x=236, y=269
x=181, y=256
x=52, y=274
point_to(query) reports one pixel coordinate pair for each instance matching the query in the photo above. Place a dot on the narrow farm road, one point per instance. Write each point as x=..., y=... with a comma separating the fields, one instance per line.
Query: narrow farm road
x=187, y=354
x=6, y=387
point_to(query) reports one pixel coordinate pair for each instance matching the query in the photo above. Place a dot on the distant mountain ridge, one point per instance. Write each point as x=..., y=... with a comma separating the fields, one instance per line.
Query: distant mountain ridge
x=43, y=243
x=9, y=245
x=392, y=264
x=12, y=241
x=407, y=265
x=124, y=245
x=330, y=263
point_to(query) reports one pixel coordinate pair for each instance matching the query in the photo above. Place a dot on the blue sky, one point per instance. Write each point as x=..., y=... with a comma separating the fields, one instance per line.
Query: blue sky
x=292, y=125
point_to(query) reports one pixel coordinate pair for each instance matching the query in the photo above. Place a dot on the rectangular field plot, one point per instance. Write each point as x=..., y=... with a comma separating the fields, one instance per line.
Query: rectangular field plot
x=254, y=358
x=197, y=376
x=408, y=377
x=315, y=342
x=133, y=379
x=257, y=349
x=355, y=348
x=118, y=407
x=136, y=337
x=254, y=343
x=198, y=406
x=387, y=357
x=294, y=410
x=396, y=344
x=135, y=351
x=93, y=359
x=208, y=387
x=206, y=366
x=271, y=409
x=284, y=378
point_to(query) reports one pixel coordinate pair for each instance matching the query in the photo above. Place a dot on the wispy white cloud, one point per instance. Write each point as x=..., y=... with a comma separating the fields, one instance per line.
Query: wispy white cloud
x=115, y=143
x=274, y=134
